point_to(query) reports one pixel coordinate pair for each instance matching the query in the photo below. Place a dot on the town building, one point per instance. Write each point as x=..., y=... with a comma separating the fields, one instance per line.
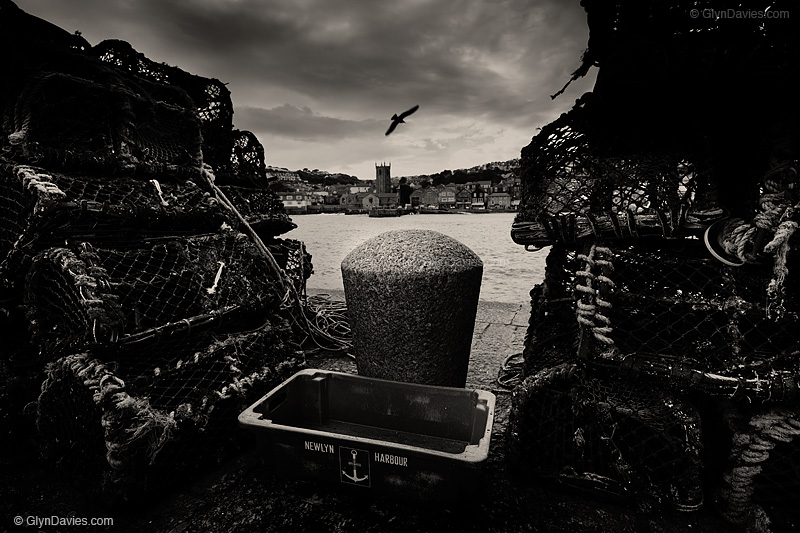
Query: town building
x=294, y=201
x=478, y=199
x=416, y=198
x=499, y=200
x=447, y=196
x=429, y=197
x=379, y=199
x=463, y=199
x=383, y=178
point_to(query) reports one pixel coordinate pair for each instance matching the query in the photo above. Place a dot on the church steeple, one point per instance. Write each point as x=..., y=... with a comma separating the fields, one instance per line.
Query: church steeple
x=383, y=178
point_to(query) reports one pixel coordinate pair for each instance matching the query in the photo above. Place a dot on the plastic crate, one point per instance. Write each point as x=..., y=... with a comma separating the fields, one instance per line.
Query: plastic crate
x=366, y=434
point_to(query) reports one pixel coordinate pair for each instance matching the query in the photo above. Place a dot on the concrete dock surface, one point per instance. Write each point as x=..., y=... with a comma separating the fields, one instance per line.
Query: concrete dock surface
x=242, y=494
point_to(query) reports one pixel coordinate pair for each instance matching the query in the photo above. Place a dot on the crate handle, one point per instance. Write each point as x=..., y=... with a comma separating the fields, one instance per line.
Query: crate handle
x=277, y=400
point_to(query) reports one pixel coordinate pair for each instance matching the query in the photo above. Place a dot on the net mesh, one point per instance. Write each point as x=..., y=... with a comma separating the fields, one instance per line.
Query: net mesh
x=646, y=327
x=613, y=439
x=574, y=192
x=99, y=295
x=262, y=209
x=669, y=289
x=138, y=422
x=43, y=208
x=211, y=99
x=62, y=121
x=138, y=245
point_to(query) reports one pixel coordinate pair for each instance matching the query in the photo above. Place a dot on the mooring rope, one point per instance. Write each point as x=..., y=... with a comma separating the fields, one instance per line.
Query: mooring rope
x=751, y=447
x=776, y=216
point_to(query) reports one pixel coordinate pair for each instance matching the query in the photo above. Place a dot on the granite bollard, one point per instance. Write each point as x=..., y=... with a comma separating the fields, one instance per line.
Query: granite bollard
x=412, y=297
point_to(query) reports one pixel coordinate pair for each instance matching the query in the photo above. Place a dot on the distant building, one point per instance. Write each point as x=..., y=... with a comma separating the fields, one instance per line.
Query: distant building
x=379, y=199
x=478, y=185
x=383, y=178
x=478, y=199
x=463, y=199
x=499, y=200
x=416, y=198
x=294, y=201
x=447, y=196
x=430, y=197
x=370, y=201
x=352, y=201
x=318, y=197
x=282, y=174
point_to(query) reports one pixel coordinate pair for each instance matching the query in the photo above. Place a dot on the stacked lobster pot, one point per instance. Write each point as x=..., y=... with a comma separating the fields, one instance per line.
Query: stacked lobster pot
x=140, y=246
x=662, y=360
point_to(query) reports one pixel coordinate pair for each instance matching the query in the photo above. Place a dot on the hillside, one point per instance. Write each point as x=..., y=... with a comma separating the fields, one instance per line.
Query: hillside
x=494, y=172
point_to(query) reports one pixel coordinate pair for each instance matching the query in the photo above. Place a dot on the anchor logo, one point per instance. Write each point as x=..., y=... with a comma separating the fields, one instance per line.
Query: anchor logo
x=351, y=466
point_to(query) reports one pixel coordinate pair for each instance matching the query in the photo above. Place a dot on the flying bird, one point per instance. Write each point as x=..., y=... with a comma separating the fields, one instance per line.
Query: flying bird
x=399, y=119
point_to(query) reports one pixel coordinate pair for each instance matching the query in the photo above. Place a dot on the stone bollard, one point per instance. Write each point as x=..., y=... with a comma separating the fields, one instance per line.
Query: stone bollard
x=412, y=297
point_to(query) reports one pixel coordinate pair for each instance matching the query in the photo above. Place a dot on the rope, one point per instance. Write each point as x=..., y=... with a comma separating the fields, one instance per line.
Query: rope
x=751, y=448
x=776, y=216
x=779, y=246
x=321, y=324
x=328, y=319
x=591, y=307
x=510, y=373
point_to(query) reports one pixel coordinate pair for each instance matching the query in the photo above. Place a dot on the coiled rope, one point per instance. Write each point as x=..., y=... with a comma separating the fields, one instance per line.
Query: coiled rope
x=776, y=216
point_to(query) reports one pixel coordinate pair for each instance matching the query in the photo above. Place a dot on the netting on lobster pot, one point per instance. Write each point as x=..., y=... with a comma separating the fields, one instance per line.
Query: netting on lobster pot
x=43, y=208
x=211, y=97
x=93, y=123
x=672, y=222
x=574, y=190
x=137, y=425
x=613, y=439
x=666, y=314
x=552, y=331
x=261, y=208
x=94, y=294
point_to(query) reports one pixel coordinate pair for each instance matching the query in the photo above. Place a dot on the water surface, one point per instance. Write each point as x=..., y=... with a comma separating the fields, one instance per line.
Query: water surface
x=509, y=272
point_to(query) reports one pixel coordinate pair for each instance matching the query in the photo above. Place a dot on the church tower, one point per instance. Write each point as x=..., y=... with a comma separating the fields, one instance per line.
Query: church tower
x=383, y=178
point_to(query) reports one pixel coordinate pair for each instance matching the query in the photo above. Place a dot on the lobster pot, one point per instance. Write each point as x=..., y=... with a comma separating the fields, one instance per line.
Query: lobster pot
x=552, y=328
x=80, y=121
x=135, y=424
x=611, y=439
x=673, y=301
x=246, y=166
x=261, y=208
x=210, y=97
x=657, y=323
x=92, y=295
x=42, y=208
x=575, y=192
x=669, y=315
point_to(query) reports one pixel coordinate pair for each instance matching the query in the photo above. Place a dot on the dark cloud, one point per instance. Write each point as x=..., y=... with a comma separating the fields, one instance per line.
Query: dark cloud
x=330, y=70
x=301, y=123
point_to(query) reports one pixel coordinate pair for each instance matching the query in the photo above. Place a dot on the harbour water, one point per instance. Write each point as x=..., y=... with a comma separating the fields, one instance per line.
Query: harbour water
x=509, y=272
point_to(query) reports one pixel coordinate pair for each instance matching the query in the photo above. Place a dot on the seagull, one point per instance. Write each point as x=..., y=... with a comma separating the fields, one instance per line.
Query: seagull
x=399, y=119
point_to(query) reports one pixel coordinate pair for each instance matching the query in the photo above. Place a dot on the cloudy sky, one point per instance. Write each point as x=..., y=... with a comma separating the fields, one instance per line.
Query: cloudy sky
x=318, y=80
